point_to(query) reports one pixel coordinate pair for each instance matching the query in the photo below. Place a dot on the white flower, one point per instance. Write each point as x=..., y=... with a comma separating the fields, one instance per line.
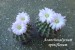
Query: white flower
x=59, y=22
x=18, y=28
x=23, y=17
x=46, y=14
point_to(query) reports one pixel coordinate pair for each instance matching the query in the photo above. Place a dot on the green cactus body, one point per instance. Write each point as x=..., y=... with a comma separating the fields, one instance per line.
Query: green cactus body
x=25, y=37
x=43, y=28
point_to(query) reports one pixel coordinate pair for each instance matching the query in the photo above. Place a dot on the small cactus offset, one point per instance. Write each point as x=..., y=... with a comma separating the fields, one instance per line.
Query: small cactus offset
x=49, y=22
x=21, y=27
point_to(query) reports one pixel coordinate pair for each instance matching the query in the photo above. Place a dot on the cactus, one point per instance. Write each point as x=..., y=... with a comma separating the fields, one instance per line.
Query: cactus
x=21, y=27
x=49, y=22
x=25, y=37
x=43, y=28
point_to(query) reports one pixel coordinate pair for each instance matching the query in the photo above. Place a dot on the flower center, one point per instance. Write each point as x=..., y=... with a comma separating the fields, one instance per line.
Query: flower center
x=22, y=18
x=46, y=15
x=19, y=27
x=56, y=21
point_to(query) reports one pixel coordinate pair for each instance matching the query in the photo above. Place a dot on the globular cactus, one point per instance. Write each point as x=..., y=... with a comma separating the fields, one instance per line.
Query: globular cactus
x=21, y=27
x=49, y=22
x=25, y=37
x=43, y=28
